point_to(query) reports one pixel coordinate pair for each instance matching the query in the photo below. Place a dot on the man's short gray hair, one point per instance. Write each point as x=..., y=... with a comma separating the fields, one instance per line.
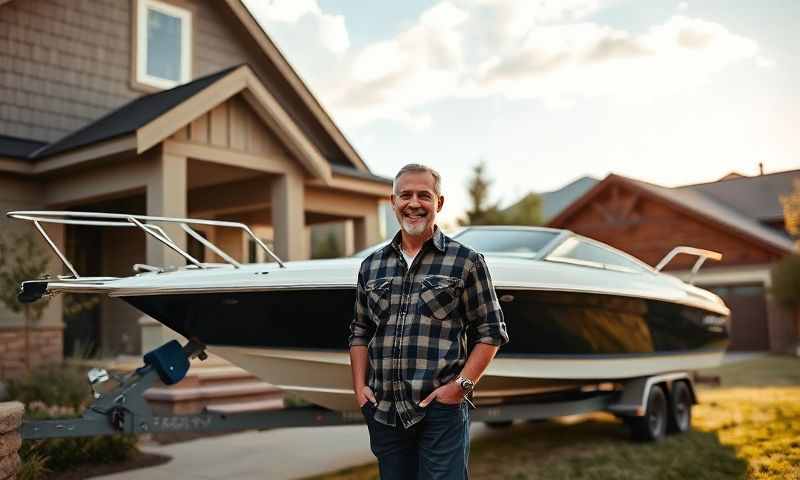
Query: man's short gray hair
x=416, y=167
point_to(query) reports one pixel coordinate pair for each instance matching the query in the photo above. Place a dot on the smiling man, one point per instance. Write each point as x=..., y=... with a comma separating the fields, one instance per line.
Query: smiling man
x=427, y=323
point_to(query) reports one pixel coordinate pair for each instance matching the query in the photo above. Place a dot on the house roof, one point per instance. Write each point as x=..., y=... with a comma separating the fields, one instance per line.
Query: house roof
x=15, y=147
x=557, y=200
x=695, y=203
x=756, y=197
x=131, y=116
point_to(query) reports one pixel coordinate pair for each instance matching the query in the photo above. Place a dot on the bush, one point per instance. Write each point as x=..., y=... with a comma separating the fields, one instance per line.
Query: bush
x=62, y=454
x=53, y=387
x=59, y=391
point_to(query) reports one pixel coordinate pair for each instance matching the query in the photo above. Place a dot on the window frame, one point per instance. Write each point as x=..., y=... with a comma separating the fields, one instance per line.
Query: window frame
x=140, y=79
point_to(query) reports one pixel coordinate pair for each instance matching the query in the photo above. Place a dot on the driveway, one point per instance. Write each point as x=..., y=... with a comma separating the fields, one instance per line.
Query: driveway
x=287, y=453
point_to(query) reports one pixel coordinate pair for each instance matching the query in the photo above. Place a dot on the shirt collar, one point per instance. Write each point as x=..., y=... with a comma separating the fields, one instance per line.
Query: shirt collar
x=438, y=239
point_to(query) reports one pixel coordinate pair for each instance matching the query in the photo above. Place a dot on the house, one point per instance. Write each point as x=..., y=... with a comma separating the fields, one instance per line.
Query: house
x=739, y=216
x=180, y=108
x=553, y=202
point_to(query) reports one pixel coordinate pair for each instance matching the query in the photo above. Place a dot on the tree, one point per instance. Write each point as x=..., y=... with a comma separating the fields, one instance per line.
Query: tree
x=525, y=212
x=786, y=273
x=21, y=258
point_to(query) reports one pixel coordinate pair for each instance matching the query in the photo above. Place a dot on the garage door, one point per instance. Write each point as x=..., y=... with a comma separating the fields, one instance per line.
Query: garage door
x=748, y=304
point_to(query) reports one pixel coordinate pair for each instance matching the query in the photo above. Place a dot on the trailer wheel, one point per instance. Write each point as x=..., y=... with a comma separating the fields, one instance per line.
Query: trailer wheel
x=680, y=408
x=653, y=425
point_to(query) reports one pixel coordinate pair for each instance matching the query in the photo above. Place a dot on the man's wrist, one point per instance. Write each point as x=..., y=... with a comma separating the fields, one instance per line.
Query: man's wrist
x=466, y=384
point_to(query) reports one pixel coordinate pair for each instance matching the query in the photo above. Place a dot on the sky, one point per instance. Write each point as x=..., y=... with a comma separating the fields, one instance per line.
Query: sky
x=547, y=91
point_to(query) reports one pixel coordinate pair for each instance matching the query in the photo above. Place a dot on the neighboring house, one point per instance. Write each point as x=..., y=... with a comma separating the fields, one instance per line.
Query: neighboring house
x=552, y=203
x=177, y=108
x=739, y=216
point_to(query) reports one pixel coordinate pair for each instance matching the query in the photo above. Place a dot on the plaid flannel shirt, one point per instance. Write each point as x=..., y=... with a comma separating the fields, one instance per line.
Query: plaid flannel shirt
x=421, y=321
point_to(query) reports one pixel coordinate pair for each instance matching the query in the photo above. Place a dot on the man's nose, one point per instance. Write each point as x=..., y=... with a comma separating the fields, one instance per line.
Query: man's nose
x=414, y=201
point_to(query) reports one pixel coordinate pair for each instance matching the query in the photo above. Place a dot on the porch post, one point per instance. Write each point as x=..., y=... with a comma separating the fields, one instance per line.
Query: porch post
x=288, y=216
x=366, y=230
x=166, y=197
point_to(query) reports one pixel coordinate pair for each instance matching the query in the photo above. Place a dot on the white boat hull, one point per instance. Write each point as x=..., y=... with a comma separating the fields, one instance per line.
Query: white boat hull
x=323, y=378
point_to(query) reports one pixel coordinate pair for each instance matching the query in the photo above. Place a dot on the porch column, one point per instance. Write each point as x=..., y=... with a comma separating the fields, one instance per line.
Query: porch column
x=288, y=217
x=349, y=238
x=166, y=197
x=366, y=230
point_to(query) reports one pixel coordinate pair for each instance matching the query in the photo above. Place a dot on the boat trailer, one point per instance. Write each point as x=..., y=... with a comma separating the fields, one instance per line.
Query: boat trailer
x=124, y=409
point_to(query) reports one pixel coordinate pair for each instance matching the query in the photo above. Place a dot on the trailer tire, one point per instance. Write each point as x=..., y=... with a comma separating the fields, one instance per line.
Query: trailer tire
x=653, y=425
x=680, y=408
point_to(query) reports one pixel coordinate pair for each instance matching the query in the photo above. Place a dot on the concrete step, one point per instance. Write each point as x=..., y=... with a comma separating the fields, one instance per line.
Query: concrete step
x=180, y=393
x=251, y=406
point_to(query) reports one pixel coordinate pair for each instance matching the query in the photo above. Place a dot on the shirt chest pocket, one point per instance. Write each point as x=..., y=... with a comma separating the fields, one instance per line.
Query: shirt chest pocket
x=379, y=295
x=439, y=296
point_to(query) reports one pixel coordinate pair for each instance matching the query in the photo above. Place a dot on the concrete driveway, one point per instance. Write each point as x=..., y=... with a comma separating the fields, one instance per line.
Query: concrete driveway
x=276, y=454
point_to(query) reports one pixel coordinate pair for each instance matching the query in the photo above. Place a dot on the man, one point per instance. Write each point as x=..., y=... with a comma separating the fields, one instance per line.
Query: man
x=427, y=323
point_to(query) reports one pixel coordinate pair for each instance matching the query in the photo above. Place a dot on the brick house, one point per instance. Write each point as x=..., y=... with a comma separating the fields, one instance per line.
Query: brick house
x=181, y=108
x=739, y=216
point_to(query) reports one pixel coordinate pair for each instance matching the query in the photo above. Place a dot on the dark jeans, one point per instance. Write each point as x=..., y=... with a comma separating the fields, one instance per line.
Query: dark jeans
x=435, y=448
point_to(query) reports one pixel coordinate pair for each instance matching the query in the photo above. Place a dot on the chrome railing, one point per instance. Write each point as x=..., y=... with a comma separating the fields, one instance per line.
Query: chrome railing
x=147, y=223
x=702, y=256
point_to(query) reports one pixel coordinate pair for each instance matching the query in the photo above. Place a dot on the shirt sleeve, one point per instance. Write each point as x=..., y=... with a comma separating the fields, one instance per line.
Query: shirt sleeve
x=361, y=328
x=485, y=322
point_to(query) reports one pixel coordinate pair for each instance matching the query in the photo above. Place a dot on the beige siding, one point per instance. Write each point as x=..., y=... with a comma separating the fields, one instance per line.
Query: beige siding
x=233, y=125
x=65, y=63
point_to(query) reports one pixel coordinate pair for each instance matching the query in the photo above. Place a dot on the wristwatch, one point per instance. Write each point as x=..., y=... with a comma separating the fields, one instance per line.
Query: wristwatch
x=466, y=384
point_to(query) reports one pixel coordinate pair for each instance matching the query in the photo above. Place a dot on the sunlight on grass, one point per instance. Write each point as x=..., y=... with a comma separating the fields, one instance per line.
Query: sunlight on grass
x=747, y=429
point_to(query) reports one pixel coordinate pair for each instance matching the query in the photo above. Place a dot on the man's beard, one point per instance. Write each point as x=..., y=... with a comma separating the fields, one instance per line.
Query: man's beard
x=414, y=229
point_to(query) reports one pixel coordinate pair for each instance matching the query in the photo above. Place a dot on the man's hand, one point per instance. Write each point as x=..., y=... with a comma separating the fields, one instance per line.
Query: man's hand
x=365, y=395
x=449, y=393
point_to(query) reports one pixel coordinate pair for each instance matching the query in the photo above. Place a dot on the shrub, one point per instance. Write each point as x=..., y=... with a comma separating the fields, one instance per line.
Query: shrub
x=51, y=386
x=62, y=454
x=786, y=280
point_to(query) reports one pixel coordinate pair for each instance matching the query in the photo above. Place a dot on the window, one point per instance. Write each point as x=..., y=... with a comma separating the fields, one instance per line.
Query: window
x=164, y=44
x=583, y=252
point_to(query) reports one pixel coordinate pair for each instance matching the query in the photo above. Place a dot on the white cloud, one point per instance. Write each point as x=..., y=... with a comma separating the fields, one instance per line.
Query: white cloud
x=765, y=62
x=331, y=29
x=683, y=6
x=549, y=50
x=586, y=59
x=388, y=79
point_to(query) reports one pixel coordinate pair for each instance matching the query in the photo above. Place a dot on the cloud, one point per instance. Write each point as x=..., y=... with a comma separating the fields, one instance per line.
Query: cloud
x=765, y=62
x=548, y=50
x=586, y=60
x=330, y=29
x=388, y=79
x=683, y=6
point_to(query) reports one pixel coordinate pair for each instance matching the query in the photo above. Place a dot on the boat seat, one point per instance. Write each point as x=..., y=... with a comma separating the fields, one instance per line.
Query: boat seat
x=170, y=362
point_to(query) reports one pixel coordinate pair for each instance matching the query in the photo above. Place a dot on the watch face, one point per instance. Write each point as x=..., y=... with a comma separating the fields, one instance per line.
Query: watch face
x=467, y=384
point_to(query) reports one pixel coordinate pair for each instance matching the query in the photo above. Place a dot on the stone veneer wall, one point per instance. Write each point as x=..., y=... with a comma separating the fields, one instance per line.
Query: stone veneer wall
x=10, y=439
x=46, y=346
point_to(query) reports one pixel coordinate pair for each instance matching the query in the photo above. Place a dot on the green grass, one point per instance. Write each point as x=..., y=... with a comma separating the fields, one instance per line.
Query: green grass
x=749, y=428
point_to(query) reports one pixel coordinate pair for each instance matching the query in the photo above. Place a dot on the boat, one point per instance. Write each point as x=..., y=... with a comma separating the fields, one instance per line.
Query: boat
x=580, y=314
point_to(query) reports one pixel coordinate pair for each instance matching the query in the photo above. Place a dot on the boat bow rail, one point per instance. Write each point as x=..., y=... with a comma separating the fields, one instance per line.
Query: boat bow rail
x=150, y=225
x=702, y=256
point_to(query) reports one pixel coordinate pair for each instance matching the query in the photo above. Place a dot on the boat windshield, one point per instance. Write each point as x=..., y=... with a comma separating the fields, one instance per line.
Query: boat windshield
x=506, y=242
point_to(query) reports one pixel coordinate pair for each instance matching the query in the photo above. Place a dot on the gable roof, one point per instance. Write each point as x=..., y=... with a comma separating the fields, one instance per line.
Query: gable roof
x=147, y=121
x=756, y=197
x=131, y=116
x=693, y=203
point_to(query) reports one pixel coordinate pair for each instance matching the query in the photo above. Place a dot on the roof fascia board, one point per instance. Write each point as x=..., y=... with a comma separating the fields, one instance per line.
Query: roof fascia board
x=15, y=165
x=270, y=111
x=90, y=152
x=276, y=57
x=359, y=185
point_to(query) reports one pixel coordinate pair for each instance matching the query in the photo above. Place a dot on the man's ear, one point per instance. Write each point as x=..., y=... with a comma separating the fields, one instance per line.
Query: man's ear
x=391, y=199
x=441, y=203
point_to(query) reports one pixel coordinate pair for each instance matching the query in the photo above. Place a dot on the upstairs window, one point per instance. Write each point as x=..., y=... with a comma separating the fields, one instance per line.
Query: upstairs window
x=164, y=44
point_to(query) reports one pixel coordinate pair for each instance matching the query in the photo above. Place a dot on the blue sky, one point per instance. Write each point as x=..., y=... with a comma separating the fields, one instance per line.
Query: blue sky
x=546, y=91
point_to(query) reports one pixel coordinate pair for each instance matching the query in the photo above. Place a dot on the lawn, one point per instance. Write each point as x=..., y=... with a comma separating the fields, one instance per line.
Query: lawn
x=748, y=428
